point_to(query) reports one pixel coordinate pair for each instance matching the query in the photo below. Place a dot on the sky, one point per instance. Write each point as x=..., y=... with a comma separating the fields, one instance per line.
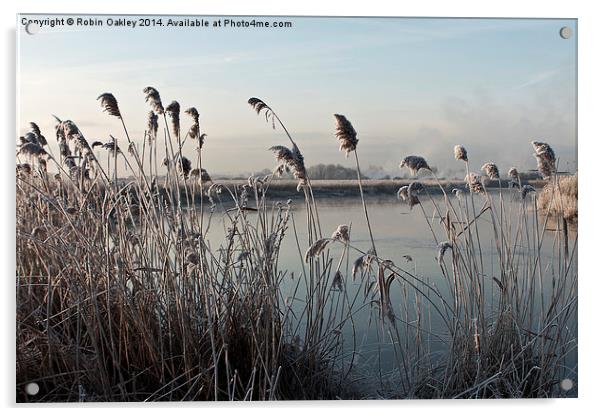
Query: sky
x=409, y=86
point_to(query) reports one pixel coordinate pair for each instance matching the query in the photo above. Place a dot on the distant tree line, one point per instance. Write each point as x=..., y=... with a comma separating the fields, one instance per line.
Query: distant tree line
x=331, y=171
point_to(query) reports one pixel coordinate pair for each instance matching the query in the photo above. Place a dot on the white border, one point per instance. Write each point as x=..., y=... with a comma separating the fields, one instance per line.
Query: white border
x=590, y=340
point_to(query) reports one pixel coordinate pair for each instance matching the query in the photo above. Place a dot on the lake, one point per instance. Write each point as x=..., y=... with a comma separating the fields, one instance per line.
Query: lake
x=400, y=231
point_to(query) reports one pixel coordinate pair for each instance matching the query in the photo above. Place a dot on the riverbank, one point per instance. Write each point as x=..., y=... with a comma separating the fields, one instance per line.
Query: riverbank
x=285, y=188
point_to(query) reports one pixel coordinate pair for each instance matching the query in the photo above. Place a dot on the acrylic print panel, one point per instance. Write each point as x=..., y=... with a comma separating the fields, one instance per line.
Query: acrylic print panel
x=291, y=208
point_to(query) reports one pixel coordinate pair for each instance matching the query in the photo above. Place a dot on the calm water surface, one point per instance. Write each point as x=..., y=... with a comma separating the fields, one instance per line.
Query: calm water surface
x=398, y=232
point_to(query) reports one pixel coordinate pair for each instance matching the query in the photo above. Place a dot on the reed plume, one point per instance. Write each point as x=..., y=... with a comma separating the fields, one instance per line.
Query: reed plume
x=362, y=263
x=337, y=281
x=460, y=153
x=152, y=126
x=341, y=233
x=290, y=160
x=404, y=194
x=173, y=109
x=108, y=102
x=514, y=178
x=409, y=193
x=195, y=129
x=31, y=149
x=204, y=177
x=36, y=131
x=67, y=129
x=441, y=249
x=154, y=99
x=202, y=138
x=414, y=163
x=546, y=159
x=473, y=183
x=28, y=138
x=184, y=167
x=259, y=105
x=316, y=248
x=112, y=146
x=491, y=170
x=346, y=134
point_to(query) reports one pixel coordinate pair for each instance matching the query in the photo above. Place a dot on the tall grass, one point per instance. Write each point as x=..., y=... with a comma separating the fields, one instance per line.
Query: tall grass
x=122, y=295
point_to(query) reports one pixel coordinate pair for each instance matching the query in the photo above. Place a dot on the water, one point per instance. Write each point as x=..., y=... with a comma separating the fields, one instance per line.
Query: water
x=400, y=231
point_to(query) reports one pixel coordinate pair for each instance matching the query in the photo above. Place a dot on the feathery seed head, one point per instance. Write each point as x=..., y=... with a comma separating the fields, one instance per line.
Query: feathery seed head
x=346, y=134
x=441, y=249
x=152, y=96
x=112, y=146
x=513, y=173
x=152, y=126
x=414, y=163
x=290, y=160
x=409, y=193
x=473, y=183
x=195, y=129
x=204, y=177
x=460, y=153
x=491, y=170
x=316, y=248
x=173, y=109
x=36, y=131
x=337, y=281
x=202, y=138
x=28, y=138
x=362, y=263
x=193, y=112
x=108, y=102
x=259, y=105
x=546, y=159
x=31, y=149
x=341, y=233
x=68, y=129
x=184, y=167
x=514, y=178
x=402, y=193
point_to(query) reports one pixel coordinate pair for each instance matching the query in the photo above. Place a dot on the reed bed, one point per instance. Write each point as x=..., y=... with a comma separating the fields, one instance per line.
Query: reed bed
x=121, y=295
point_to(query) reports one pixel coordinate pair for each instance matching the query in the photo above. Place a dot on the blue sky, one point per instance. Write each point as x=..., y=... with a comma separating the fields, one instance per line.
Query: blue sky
x=409, y=86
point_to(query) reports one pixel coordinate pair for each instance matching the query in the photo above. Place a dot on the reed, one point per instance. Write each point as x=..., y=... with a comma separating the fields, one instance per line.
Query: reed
x=123, y=296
